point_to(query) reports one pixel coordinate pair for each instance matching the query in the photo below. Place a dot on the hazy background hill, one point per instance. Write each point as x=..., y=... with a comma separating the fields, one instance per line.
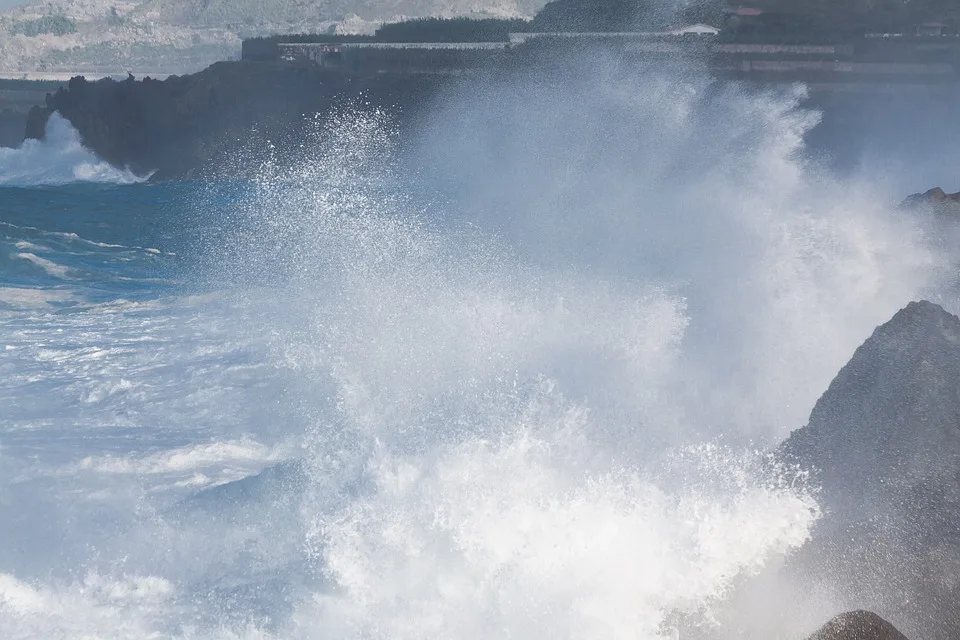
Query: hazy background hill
x=256, y=15
x=157, y=37
x=48, y=38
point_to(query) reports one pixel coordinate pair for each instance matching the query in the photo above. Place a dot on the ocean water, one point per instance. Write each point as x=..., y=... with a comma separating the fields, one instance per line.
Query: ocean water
x=515, y=378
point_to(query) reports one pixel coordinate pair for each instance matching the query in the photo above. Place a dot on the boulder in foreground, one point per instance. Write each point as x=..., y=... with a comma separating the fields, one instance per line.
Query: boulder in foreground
x=883, y=445
x=858, y=625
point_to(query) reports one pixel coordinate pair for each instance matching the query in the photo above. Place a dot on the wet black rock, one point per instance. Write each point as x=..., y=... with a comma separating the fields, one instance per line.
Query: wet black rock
x=883, y=443
x=858, y=625
x=219, y=117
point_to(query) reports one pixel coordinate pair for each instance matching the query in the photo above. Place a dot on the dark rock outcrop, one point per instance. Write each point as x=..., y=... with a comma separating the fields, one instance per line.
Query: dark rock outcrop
x=884, y=446
x=891, y=417
x=184, y=125
x=858, y=625
x=935, y=197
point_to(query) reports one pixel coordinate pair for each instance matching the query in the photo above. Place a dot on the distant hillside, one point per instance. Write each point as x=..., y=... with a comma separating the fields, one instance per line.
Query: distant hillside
x=113, y=37
x=256, y=15
x=80, y=10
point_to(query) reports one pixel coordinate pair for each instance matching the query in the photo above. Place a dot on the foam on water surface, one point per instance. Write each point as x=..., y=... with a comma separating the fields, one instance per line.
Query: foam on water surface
x=523, y=392
x=60, y=158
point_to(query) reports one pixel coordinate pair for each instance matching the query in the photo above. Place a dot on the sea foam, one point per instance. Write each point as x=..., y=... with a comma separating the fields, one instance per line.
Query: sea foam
x=524, y=366
x=516, y=398
x=60, y=158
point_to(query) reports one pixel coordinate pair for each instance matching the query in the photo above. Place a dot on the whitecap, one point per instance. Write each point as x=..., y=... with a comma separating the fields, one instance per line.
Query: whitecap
x=29, y=297
x=52, y=268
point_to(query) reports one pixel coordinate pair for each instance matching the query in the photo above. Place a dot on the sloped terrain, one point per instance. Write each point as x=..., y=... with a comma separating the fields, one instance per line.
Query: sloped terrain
x=97, y=37
x=884, y=444
x=303, y=14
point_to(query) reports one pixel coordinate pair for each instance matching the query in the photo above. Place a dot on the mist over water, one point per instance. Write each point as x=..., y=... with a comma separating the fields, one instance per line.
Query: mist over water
x=512, y=375
x=705, y=191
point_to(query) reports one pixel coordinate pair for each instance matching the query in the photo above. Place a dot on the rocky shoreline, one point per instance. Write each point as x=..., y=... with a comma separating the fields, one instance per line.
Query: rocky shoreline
x=209, y=122
x=882, y=441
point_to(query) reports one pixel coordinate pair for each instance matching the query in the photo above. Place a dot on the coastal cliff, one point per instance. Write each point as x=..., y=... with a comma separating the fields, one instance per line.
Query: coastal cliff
x=188, y=125
x=202, y=123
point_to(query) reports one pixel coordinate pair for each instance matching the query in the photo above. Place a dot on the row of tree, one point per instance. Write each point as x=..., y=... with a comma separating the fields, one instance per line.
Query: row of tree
x=797, y=19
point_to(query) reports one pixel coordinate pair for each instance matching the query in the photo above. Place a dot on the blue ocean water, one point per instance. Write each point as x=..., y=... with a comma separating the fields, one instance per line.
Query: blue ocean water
x=512, y=398
x=99, y=238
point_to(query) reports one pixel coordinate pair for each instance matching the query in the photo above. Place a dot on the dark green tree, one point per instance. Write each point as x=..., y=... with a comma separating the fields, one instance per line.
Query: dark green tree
x=592, y=15
x=701, y=11
x=451, y=30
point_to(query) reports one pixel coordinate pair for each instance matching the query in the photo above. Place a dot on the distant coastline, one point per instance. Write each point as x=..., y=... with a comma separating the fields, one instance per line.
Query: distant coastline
x=65, y=76
x=182, y=126
x=173, y=125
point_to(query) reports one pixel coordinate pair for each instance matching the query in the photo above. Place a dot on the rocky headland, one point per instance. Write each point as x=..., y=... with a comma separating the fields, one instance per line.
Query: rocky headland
x=189, y=125
x=882, y=443
x=203, y=123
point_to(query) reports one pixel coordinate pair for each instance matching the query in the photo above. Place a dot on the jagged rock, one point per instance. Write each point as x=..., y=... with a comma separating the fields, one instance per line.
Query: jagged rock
x=891, y=417
x=883, y=443
x=936, y=197
x=858, y=625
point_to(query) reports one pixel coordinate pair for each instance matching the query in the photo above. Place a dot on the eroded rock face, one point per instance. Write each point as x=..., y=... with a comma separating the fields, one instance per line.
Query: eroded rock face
x=858, y=625
x=884, y=445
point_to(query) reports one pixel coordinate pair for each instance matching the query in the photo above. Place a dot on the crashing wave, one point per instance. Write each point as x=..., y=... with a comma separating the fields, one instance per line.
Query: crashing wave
x=60, y=158
x=517, y=399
